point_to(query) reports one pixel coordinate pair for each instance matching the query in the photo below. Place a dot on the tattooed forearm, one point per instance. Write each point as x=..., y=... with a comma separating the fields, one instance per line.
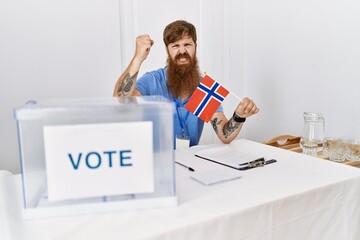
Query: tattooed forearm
x=126, y=85
x=215, y=124
x=230, y=127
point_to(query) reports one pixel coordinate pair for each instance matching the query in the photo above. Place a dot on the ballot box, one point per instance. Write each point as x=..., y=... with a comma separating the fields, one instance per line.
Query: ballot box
x=82, y=156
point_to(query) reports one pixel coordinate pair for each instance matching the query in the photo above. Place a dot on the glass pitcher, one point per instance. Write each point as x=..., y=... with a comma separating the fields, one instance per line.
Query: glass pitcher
x=312, y=138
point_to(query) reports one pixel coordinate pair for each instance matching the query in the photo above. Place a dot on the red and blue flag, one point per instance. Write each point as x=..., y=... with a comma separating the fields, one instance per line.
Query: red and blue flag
x=206, y=99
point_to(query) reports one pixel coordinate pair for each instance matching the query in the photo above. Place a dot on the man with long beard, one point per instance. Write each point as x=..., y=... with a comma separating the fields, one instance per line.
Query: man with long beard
x=177, y=81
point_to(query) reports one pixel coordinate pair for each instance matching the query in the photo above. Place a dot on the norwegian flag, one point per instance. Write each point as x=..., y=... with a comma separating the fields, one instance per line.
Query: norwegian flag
x=206, y=99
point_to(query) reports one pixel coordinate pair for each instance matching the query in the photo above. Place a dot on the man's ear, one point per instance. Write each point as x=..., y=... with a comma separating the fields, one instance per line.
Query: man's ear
x=167, y=51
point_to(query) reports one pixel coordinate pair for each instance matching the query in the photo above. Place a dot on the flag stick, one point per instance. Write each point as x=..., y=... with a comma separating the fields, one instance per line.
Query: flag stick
x=240, y=99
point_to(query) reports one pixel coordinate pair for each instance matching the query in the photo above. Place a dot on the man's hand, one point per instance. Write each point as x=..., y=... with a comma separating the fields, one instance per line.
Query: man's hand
x=125, y=85
x=246, y=108
x=143, y=46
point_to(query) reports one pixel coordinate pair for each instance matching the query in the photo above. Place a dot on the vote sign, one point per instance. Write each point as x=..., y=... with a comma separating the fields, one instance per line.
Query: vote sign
x=104, y=159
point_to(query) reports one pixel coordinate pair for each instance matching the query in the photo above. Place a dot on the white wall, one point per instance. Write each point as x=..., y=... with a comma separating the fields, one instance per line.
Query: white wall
x=54, y=49
x=303, y=56
x=288, y=56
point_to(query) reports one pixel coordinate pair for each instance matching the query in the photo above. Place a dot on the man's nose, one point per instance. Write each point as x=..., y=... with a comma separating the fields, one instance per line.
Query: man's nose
x=182, y=50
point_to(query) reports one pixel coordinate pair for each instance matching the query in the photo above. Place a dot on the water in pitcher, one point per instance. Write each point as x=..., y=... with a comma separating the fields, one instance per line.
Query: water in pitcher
x=311, y=146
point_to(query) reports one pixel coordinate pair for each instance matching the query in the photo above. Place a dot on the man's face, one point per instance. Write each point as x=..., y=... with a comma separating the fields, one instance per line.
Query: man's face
x=182, y=69
x=181, y=50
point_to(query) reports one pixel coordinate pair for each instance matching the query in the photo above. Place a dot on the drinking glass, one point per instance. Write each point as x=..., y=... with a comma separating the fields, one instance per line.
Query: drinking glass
x=337, y=150
x=354, y=150
x=328, y=142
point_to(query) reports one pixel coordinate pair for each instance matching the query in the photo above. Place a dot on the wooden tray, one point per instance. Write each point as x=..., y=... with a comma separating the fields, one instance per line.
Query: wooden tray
x=292, y=143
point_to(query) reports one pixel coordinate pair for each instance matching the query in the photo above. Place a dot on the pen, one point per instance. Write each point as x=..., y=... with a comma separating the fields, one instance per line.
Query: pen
x=270, y=161
x=190, y=168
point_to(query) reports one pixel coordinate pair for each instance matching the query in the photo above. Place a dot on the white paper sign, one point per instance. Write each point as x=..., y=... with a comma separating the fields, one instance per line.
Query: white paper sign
x=92, y=160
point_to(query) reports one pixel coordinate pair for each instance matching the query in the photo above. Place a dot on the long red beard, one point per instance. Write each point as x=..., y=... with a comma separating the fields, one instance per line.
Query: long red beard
x=182, y=79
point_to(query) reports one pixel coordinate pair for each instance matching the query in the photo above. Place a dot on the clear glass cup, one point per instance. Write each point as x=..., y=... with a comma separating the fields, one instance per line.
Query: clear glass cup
x=337, y=150
x=328, y=142
x=347, y=141
x=354, y=150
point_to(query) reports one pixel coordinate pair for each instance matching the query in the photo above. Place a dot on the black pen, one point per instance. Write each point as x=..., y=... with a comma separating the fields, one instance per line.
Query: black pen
x=270, y=161
x=190, y=169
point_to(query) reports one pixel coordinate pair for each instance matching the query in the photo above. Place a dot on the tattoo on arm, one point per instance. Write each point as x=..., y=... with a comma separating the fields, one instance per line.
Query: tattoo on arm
x=230, y=127
x=126, y=84
x=215, y=124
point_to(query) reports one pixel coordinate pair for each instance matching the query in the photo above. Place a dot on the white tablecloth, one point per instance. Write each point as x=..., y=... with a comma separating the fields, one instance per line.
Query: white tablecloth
x=299, y=197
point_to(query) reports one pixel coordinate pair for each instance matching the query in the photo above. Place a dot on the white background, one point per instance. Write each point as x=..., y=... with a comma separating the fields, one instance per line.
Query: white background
x=290, y=57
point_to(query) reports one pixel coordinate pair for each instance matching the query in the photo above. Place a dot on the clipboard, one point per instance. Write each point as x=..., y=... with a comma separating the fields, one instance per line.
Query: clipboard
x=234, y=159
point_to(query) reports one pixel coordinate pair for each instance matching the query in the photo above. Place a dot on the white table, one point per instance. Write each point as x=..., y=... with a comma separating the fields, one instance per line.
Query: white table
x=299, y=197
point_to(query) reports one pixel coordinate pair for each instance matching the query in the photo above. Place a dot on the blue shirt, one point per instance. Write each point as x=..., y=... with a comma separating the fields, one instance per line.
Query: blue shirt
x=154, y=83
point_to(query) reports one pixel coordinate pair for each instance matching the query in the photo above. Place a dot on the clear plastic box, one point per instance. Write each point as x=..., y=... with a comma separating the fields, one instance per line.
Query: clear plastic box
x=34, y=116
